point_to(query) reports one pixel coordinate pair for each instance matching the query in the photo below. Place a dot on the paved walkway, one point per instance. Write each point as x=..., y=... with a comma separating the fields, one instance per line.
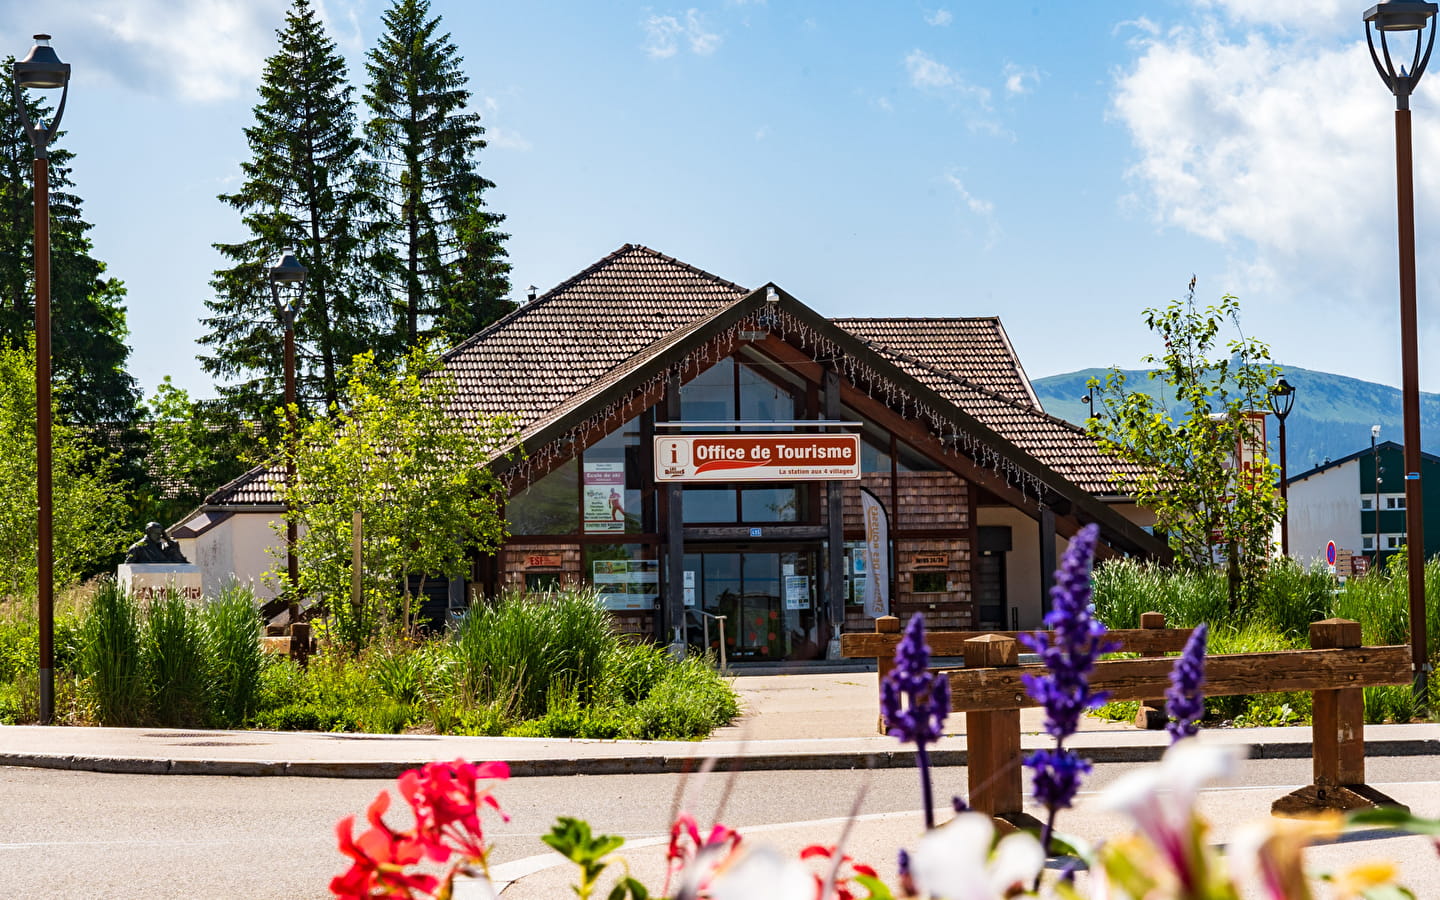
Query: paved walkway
x=805, y=721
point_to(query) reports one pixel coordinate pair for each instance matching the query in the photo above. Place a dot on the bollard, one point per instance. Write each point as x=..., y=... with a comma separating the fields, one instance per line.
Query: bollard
x=1151, y=714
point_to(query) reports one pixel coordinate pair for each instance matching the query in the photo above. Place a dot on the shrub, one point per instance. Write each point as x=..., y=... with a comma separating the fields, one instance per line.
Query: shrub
x=524, y=646
x=110, y=657
x=173, y=661
x=232, y=642
x=690, y=701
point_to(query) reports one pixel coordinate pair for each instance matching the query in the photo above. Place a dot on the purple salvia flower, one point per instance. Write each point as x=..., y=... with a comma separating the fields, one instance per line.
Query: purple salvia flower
x=1184, y=702
x=1057, y=776
x=1075, y=641
x=1069, y=651
x=915, y=702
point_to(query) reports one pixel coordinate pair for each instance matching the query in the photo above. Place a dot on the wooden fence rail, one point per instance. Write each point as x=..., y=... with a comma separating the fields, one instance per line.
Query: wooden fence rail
x=1152, y=638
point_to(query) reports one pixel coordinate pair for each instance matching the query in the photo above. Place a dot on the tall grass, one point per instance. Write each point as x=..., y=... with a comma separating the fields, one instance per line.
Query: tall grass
x=525, y=647
x=232, y=638
x=1125, y=588
x=110, y=657
x=174, y=663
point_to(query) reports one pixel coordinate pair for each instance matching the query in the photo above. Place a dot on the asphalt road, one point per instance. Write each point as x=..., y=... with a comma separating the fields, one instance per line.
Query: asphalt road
x=75, y=834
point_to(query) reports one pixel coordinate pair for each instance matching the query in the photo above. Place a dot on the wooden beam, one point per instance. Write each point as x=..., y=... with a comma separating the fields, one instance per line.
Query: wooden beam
x=920, y=437
x=1225, y=675
x=869, y=645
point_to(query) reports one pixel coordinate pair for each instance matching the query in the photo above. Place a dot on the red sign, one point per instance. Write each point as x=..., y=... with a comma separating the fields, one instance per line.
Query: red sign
x=544, y=561
x=770, y=457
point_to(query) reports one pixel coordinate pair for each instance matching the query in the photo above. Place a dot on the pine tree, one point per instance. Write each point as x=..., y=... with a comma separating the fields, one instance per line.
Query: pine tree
x=443, y=258
x=87, y=308
x=307, y=188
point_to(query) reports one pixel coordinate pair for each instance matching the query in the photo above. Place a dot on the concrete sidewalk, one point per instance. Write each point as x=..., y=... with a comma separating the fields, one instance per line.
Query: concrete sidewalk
x=803, y=721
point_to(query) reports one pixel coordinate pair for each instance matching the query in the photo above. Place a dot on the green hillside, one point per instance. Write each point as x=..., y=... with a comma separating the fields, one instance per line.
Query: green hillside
x=1331, y=419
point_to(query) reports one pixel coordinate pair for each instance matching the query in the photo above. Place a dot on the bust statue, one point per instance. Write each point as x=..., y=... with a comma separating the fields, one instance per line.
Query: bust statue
x=155, y=547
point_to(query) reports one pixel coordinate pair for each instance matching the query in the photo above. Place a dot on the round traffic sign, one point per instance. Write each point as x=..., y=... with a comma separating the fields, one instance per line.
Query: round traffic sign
x=1330, y=553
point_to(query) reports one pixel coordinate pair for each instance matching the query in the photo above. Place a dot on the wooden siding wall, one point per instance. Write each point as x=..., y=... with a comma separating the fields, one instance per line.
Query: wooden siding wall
x=933, y=518
x=512, y=563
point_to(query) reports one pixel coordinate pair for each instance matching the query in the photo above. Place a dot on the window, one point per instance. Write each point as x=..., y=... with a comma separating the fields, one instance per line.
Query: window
x=1366, y=503
x=550, y=505
x=928, y=582
x=1394, y=502
x=1369, y=542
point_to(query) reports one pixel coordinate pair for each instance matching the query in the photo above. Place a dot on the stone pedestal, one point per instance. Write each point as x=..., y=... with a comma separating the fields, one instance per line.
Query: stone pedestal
x=150, y=581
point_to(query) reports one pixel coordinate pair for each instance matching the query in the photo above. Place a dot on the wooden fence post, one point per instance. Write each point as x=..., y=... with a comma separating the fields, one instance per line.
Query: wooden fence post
x=884, y=663
x=1338, y=739
x=992, y=741
x=1151, y=714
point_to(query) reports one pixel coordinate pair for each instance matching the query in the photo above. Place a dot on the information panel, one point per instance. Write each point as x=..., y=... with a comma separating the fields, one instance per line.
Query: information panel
x=770, y=457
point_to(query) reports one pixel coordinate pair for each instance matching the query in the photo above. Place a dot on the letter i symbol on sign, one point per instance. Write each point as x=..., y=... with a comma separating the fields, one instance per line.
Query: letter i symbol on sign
x=674, y=454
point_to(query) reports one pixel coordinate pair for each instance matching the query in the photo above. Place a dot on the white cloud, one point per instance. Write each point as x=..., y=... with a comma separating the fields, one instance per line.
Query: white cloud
x=976, y=205
x=939, y=18
x=665, y=34
x=1277, y=146
x=934, y=77
x=926, y=72
x=762, y=132
x=499, y=135
x=981, y=209
x=1020, y=79
x=200, y=50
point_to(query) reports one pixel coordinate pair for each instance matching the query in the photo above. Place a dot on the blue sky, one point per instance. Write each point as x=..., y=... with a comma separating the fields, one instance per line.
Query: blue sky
x=1060, y=165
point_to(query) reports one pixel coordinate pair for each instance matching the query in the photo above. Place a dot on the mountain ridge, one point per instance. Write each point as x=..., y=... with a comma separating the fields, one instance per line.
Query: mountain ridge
x=1331, y=417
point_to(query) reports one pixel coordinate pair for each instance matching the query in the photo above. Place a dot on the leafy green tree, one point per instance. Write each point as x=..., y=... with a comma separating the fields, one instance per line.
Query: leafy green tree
x=308, y=188
x=88, y=505
x=419, y=476
x=194, y=447
x=443, y=260
x=1211, y=506
x=88, y=349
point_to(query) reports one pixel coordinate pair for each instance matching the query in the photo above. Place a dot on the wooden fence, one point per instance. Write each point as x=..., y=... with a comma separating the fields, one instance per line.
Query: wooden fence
x=1336, y=669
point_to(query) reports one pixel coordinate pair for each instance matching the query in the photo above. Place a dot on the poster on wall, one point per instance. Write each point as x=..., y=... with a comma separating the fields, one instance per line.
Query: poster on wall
x=877, y=555
x=797, y=591
x=632, y=584
x=604, y=497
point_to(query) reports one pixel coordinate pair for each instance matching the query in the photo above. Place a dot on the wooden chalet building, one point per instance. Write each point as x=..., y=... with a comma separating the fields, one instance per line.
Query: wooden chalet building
x=980, y=485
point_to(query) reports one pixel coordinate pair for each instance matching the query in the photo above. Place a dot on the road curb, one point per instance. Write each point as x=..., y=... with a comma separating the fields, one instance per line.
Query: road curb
x=659, y=764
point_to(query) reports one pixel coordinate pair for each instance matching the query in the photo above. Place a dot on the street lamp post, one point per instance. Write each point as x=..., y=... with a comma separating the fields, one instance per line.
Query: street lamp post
x=1282, y=400
x=291, y=274
x=1389, y=19
x=1375, y=462
x=43, y=69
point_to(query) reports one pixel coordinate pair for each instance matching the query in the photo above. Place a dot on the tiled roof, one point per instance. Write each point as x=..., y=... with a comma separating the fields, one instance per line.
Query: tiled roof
x=543, y=353
x=553, y=354
x=975, y=349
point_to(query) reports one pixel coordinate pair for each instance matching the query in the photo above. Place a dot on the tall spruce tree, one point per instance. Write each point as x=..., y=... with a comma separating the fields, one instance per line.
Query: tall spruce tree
x=308, y=188
x=442, y=260
x=87, y=308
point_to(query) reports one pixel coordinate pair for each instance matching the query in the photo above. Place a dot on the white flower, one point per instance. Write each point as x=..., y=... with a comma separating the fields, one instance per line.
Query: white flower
x=763, y=872
x=1160, y=800
x=954, y=862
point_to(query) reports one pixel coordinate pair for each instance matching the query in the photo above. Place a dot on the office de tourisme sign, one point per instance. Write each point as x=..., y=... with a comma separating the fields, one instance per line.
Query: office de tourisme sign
x=771, y=457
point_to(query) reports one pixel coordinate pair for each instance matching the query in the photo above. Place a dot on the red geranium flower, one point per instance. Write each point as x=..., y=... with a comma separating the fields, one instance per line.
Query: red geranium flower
x=447, y=800
x=379, y=858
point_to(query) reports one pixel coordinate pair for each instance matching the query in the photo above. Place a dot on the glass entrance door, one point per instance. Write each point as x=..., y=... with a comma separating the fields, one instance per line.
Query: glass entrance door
x=769, y=599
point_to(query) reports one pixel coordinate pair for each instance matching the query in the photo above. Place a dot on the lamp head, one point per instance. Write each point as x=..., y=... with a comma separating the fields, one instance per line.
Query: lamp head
x=1374, y=432
x=42, y=68
x=288, y=270
x=1282, y=399
x=1400, y=15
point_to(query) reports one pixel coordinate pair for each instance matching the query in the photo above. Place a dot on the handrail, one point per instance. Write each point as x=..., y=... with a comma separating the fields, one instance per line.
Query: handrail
x=705, y=618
